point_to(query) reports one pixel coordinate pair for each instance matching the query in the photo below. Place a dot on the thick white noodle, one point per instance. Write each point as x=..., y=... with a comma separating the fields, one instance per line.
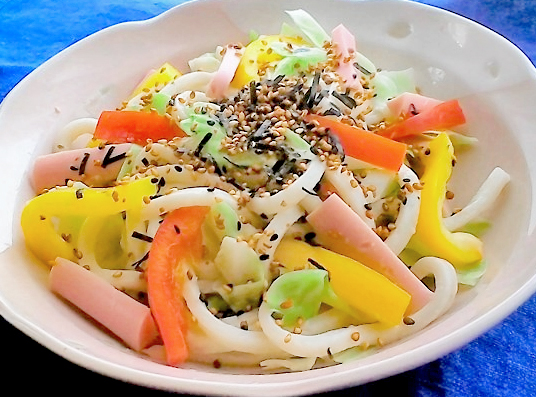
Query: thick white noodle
x=326, y=321
x=156, y=153
x=151, y=213
x=235, y=339
x=195, y=196
x=251, y=318
x=310, y=202
x=293, y=364
x=406, y=222
x=76, y=134
x=194, y=81
x=344, y=181
x=188, y=100
x=182, y=178
x=293, y=194
x=278, y=226
x=481, y=201
x=208, y=62
x=336, y=341
x=123, y=280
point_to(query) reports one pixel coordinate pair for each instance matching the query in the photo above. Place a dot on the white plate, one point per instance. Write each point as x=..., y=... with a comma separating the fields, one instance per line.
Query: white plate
x=453, y=58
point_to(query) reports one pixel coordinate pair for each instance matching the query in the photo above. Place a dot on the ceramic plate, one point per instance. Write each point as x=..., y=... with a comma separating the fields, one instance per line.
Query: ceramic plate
x=452, y=57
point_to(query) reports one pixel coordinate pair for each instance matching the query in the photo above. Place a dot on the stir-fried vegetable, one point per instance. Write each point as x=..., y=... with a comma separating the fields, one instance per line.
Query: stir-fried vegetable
x=262, y=205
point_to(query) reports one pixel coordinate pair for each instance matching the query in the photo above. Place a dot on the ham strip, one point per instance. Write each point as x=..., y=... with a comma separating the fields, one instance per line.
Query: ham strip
x=340, y=229
x=221, y=80
x=346, y=48
x=124, y=316
x=92, y=166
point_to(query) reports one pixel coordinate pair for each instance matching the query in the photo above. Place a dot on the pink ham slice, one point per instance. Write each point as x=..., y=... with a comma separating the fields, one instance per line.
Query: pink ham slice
x=346, y=48
x=128, y=319
x=339, y=228
x=222, y=78
x=93, y=166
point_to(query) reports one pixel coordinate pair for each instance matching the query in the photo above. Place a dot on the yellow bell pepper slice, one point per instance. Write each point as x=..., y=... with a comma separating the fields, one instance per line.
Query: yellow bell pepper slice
x=432, y=238
x=257, y=55
x=165, y=74
x=51, y=221
x=360, y=287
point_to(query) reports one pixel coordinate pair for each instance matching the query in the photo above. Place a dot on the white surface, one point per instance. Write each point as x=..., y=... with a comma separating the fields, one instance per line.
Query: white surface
x=453, y=58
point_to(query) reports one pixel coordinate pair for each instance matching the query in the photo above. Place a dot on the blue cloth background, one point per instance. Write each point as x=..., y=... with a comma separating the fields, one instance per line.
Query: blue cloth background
x=501, y=362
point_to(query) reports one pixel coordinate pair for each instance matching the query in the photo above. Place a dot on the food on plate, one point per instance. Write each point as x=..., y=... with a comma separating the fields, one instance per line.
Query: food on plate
x=283, y=203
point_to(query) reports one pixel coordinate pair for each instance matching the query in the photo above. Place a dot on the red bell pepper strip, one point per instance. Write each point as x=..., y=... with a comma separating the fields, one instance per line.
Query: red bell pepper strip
x=177, y=243
x=364, y=145
x=124, y=126
x=443, y=116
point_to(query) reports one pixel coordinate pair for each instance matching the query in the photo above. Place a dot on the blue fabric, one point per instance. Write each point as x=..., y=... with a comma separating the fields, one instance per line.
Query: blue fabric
x=499, y=363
